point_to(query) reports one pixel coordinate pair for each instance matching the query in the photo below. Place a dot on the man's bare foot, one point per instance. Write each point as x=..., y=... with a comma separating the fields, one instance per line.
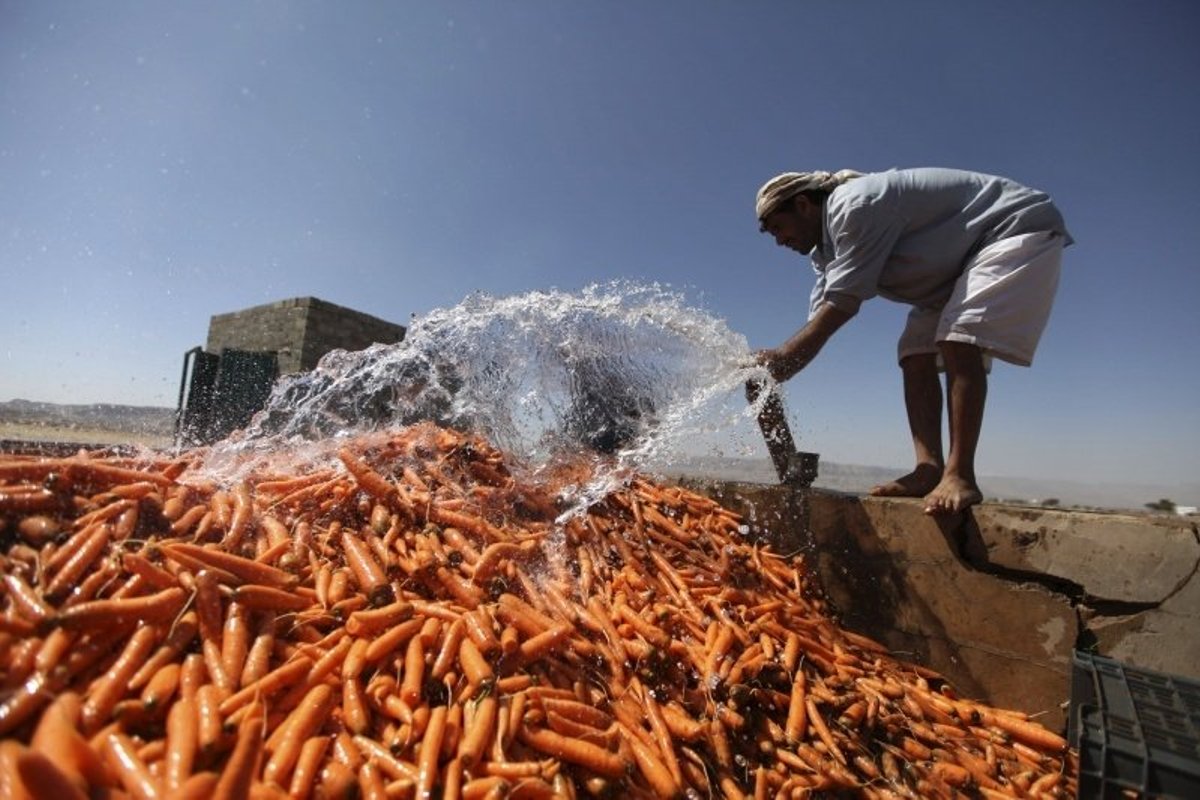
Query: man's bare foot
x=952, y=495
x=918, y=483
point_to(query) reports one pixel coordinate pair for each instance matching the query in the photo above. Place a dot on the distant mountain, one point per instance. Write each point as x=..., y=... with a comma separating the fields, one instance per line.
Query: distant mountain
x=104, y=416
x=858, y=479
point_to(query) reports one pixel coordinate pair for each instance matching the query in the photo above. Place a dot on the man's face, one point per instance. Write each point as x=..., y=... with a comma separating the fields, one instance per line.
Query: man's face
x=796, y=225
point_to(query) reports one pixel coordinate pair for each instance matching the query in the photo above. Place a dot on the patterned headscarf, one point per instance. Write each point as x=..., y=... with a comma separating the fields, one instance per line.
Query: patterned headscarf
x=786, y=186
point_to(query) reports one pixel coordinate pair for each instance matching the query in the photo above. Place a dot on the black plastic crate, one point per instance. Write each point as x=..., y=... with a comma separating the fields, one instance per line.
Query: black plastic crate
x=1135, y=730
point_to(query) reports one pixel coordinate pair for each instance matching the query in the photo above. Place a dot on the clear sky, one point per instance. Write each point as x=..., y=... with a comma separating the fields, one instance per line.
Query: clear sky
x=164, y=162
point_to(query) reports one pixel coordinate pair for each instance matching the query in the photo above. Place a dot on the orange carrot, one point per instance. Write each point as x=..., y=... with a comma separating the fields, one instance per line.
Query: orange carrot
x=366, y=622
x=653, y=769
x=267, y=598
x=43, y=778
x=25, y=600
x=538, y=646
x=73, y=569
x=23, y=702
x=131, y=771
x=414, y=671
x=366, y=570
x=159, y=607
x=246, y=570
x=182, y=729
x=431, y=748
x=209, y=722
x=354, y=708
x=473, y=665
x=161, y=687
x=371, y=785
x=304, y=775
x=156, y=576
x=302, y=722
x=389, y=642
x=448, y=652
x=574, y=751
x=58, y=738
x=240, y=769
x=268, y=684
x=478, y=732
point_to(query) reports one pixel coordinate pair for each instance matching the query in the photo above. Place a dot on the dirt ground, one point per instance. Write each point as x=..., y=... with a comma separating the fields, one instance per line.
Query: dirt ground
x=80, y=435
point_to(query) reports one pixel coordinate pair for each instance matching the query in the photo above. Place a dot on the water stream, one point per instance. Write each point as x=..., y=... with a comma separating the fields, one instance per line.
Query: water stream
x=626, y=374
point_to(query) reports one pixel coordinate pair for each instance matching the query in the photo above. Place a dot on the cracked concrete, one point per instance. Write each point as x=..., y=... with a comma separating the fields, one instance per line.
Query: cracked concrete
x=996, y=599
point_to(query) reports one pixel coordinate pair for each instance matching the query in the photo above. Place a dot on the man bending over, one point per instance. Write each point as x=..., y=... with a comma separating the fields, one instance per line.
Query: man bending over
x=976, y=256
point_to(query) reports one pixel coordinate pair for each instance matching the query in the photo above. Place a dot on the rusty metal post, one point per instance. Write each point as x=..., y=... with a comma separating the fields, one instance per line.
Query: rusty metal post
x=794, y=468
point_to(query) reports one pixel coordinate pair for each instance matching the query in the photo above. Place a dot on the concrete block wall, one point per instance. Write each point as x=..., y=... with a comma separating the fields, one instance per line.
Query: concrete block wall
x=330, y=327
x=299, y=330
x=996, y=599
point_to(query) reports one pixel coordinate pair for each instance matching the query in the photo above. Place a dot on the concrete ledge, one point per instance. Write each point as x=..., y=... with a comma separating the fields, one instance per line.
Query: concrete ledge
x=998, y=598
x=1120, y=557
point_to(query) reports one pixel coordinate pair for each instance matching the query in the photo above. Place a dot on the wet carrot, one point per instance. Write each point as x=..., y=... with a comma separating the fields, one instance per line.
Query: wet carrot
x=588, y=756
x=476, y=526
x=258, y=656
x=239, y=521
x=662, y=736
x=192, y=675
x=302, y=723
x=1027, y=732
x=182, y=743
x=494, y=555
x=23, y=702
x=99, y=474
x=130, y=770
x=369, y=621
x=539, y=646
x=12, y=786
x=475, y=668
x=43, y=778
x=161, y=688
x=268, y=684
x=246, y=570
x=653, y=769
x=74, y=567
x=478, y=732
x=58, y=738
x=371, y=784
x=337, y=781
x=239, y=771
x=488, y=787
x=25, y=600
x=448, y=651
x=369, y=749
x=366, y=570
x=354, y=708
x=159, y=607
x=156, y=576
x=431, y=748
x=267, y=598
x=307, y=769
x=209, y=722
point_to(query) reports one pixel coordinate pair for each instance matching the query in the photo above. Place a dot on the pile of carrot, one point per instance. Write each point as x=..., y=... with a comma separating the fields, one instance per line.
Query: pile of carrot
x=408, y=620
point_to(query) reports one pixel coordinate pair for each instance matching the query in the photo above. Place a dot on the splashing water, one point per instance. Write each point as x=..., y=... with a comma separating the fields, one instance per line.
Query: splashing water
x=624, y=370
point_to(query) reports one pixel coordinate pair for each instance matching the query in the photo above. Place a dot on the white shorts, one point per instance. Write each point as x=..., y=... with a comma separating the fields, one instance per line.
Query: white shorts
x=1000, y=303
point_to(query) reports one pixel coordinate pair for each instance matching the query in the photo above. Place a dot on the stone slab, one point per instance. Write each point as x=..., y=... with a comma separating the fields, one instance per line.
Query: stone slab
x=1132, y=559
x=1164, y=639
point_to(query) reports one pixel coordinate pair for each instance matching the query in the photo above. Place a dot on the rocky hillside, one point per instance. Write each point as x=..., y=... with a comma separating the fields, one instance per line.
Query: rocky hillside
x=26, y=419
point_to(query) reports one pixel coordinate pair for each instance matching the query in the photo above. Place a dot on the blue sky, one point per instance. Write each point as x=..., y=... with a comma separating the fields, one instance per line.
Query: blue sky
x=163, y=162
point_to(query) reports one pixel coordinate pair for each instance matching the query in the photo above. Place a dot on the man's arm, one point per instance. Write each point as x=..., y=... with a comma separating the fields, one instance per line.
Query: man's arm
x=794, y=354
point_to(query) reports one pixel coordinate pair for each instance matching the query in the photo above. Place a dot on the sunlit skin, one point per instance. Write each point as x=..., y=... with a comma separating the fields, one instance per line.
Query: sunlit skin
x=948, y=485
